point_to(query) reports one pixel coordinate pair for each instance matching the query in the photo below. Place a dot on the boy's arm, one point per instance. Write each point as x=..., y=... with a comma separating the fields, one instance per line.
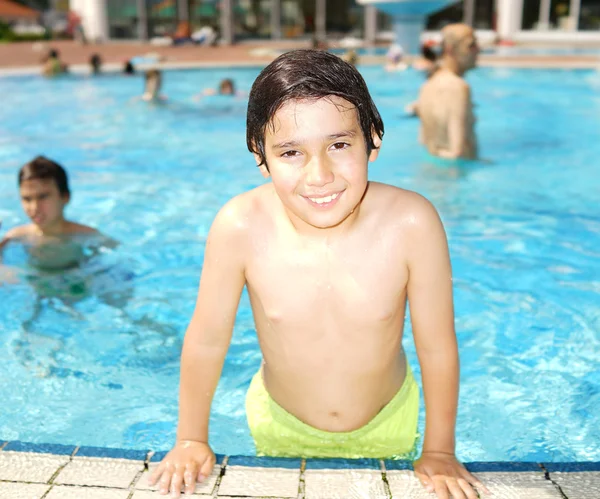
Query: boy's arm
x=209, y=333
x=432, y=316
x=206, y=342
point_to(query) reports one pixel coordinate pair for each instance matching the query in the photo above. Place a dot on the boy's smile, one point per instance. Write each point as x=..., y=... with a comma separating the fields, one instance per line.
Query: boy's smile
x=317, y=158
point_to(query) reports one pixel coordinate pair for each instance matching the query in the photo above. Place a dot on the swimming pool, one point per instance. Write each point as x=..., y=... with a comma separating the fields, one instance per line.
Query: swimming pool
x=101, y=368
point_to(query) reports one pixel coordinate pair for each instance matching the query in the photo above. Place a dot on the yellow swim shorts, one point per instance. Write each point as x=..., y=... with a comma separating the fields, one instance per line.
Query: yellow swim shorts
x=276, y=432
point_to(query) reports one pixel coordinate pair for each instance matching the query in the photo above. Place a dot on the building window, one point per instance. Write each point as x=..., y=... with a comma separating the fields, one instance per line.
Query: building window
x=589, y=15
x=484, y=14
x=531, y=14
x=123, y=19
x=452, y=14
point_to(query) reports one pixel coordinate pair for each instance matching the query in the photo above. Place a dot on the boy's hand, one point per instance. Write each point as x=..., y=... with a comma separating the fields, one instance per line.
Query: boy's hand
x=189, y=461
x=441, y=473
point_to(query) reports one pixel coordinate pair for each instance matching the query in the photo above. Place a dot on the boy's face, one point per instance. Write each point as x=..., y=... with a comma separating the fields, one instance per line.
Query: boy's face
x=42, y=202
x=317, y=160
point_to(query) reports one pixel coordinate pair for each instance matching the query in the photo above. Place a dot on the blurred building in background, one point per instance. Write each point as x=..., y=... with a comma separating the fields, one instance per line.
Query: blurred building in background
x=237, y=20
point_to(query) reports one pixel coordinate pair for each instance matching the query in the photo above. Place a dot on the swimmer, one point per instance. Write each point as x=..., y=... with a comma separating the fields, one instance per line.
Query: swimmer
x=444, y=105
x=394, y=58
x=226, y=87
x=50, y=237
x=153, y=83
x=330, y=261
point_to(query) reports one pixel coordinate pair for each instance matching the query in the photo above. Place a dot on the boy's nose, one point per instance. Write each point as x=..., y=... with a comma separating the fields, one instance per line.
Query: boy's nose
x=318, y=172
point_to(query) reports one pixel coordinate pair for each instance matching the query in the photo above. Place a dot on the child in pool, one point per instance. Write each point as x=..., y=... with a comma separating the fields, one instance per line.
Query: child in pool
x=330, y=260
x=44, y=191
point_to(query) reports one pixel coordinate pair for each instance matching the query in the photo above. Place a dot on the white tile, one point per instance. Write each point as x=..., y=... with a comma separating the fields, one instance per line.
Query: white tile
x=404, y=484
x=29, y=466
x=259, y=482
x=344, y=484
x=148, y=494
x=206, y=487
x=578, y=485
x=531, y=485
x=22, y=490
x=69, y=492
x=90, y=471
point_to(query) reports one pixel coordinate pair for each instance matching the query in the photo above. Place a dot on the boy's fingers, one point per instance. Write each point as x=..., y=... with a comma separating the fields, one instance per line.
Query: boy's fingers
x=206, y=468
x=155, y=475
x=425, y=481
x=467, y=489
x=176, y=483
x=189, y=477
x=165, y=479
x=475, y=482
x=441, y=490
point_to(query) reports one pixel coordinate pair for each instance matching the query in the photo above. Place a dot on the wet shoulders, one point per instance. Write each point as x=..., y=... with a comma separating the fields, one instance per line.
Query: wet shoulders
x=245, y=210
x=401, y=207
x=76, y=228
x=20, y=232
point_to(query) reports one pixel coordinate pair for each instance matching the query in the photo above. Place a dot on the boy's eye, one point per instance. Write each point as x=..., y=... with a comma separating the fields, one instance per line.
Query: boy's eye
x=289, y=154
x=340, y=145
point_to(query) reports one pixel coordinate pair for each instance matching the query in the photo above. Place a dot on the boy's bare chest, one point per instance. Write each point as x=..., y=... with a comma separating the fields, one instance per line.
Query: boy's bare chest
x=299, y=286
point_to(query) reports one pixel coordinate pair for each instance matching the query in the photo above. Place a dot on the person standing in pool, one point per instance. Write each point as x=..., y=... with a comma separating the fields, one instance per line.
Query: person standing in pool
x=329, y=260
x=44, y=191
x=444, y=104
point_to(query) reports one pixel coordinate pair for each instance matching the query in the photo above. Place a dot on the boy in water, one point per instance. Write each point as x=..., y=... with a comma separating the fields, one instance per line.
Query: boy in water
x=330, y=260
x=44, y=191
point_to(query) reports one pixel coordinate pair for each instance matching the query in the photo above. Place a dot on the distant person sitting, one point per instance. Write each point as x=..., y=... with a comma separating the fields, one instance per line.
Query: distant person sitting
x=128, y=68
x=44, y=191
x=394, y=59
x=153, y=83
x=96, y=64
x=52, y=65
x=444, y=105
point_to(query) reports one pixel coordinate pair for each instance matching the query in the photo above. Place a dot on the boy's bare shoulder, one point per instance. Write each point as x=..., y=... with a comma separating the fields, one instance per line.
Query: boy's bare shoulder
x=75, y=228
x=19, y=232
x=401, y=207
x=242, y=212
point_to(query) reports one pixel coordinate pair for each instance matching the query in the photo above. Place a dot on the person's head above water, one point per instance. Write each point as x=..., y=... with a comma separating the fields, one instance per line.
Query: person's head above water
x=459, y=46
x=227, y=87
x=307, y=76
x=44, y=191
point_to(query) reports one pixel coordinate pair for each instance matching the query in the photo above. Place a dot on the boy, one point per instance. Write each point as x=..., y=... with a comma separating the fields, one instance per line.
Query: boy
x=329, y=260
x=44, y=190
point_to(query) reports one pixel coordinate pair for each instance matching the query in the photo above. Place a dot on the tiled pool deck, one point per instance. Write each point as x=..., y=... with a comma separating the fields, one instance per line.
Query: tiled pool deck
x=37, y=471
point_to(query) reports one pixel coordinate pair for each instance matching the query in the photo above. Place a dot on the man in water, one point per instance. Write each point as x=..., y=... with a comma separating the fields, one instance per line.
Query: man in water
x=444, y=105
x=44, y=191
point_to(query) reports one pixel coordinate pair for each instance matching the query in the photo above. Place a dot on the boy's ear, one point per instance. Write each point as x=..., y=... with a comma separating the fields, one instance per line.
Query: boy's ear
x=263, y=168
x=66, y=198
x=375, y=152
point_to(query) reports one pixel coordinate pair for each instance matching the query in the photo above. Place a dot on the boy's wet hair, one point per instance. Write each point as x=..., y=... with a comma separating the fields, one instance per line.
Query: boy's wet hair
x=307, y=75
x=42, y=168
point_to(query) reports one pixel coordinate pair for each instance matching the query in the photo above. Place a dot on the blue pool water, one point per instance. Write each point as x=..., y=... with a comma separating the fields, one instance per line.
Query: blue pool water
x=91, y=357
